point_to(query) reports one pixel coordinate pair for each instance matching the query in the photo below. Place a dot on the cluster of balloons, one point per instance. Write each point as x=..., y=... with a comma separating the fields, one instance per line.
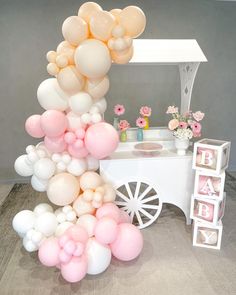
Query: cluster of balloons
x=79, y=236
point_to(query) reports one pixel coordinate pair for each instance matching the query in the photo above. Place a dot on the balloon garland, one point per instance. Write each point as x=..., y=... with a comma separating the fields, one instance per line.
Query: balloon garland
x=82, y=234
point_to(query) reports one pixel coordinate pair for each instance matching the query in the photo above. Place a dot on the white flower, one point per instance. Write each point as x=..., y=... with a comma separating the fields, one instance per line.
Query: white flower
x=183, y=133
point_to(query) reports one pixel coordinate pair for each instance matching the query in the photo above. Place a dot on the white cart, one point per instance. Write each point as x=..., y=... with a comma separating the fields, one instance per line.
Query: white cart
x=144, y=181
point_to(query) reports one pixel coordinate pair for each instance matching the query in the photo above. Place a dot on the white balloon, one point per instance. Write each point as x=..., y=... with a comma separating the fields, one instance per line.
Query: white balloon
x=46, y=223
x=29, y=245
x=92, y=163
x=23, y=166
x=86, y=118
x=77, y=166
x=102, y=105
x=39, y=185
x=74, y=122
x=44, y=168
x=42, y=208
x=92, y=58
x=51, y=96
x=62, y=227
x=80, y=103
x=23, y=221
x=41, y=147
x=96, y=118
x=88, y=222
x=99, y=257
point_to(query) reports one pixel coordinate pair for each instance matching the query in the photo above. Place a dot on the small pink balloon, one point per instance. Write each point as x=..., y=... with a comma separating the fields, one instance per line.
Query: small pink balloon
x=69, y=137
x=49, y=252
x=70, y=247
x=77, y=233
x=109, y=210
x=124, y=217
x=75, y=270
x=80, y=133
x=101, y=140
x=53, y=123
x=64, y=257
x=78, y=144
x=63, y=240
x=55, y=144
x=77, y=152
x=106, y=230
x=79, y=249
x=129, y=242
x=33, y=126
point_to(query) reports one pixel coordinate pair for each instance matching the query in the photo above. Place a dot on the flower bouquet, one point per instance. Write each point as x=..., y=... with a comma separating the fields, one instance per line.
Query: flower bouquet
x=123, y=127
x=140, y=123
x=146, y=112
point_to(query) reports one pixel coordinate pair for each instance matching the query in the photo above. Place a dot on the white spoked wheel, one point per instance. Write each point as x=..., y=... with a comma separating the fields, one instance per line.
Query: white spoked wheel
x=140, y=200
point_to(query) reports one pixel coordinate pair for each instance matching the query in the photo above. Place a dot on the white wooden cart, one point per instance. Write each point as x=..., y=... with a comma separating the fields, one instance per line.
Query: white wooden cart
x=144, y=181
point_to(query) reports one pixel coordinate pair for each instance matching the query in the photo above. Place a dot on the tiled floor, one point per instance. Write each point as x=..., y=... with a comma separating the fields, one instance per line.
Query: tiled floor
x=168, y=264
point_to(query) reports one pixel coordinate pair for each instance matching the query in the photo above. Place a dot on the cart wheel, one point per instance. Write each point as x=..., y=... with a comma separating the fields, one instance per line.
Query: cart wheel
x=141, y=201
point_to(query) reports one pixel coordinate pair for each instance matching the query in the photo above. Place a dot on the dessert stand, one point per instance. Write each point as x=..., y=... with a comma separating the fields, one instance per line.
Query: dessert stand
x=144, y=180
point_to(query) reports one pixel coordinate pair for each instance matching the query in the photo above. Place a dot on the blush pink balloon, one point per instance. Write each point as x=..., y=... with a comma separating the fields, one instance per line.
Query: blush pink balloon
x=124, y=217
x=77, y=233
x=33, y=126
x=129, y=242
x=101, y=140
x=49, y=252
x=77, y=152
x=53, y=123
x=55, y=144
x=106, y=230
x=109, y=210
x=75, y=270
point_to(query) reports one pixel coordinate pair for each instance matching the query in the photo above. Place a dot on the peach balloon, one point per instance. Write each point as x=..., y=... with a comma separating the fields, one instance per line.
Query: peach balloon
x=97, y=88
x=51, y=56
x=87, y=9
x=82, y=207
x=102, y=24
x=122, y=57
x=70, y=80
x=133, y=20
x=52, y=69
x=75, y=30
x=90, y=180
x=63, y=189
x=116, y=12
x=67, y=49
x=62, y=61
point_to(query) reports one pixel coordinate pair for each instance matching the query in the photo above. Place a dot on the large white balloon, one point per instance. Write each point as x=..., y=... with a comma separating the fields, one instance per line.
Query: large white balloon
x=39, y=185
x=77, y=166
x=101, y=104
x=80, y=103
x=92, y=58
x=23, y=221
x=88, y=222
x=46, y=224
x=42, y=208
x=51, y=96
x=99, y=257
x=44, y=168
x=23, y=167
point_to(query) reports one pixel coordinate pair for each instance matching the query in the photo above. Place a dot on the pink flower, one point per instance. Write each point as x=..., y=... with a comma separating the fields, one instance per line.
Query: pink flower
x=123, y=125
x=196, y=127
x=198, y=116
x=197, y=135
x=172, y=110
x=183, y=125
x=119, y=109
x=145, y=111
x=173, y=124
x=140, y=122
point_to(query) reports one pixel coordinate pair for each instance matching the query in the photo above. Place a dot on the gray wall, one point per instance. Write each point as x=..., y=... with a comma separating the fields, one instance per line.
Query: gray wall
x=29, y=28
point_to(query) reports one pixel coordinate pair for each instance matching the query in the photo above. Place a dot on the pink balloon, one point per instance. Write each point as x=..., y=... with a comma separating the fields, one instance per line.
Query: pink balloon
x=53, y=123
x=49, y=252
x=75, y=270
x=77, y=233
x=69, y=137
x=33, y=126
x=106, y=230
x=55, y=144
x=101, y=140
x=129, y=242
x=124, y=217
x=109, y=210
x=77, y=152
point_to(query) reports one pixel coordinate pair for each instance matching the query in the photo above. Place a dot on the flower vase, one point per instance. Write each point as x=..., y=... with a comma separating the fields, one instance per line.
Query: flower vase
x=181, y=145
x=115, y=123
x=147, y=123
x=123, y=136
x=140, y=134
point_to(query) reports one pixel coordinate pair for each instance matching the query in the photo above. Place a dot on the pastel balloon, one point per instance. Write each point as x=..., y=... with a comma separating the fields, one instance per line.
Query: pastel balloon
x=62, y=227
x=92, y=58
x=51, y=56
x=46, y=223
x=88, y=222
x=74, y=122
x=23, y=167
x=118, y=31
x=53, y=123
x=81, y=207
x=77, y=167
x=70, y=80
x=124, y=217
x=122, y=57
x=39, y=185
x=80, y=103
x=75, y=270
x=55, y=144
x=63, y=189
x=87, y=9
x=101, y=140
x=101, y=104
x=133, y=20
x=90, y=180
x=78, y=234
x=99, y=257
x=51, y=96
x=92, y=163
x=67, y=49
x=106, y=230
x=116, y=12
x=33, y=126
x=44, y=168
x=23, y=221
x=42, y=208
x=75, y=30
x=97, y=88
x=101, y=25
x=52, y=69
x=110, y=193
x=49, y=252
x=109, y=210
x=77, y=152
x=129, y=242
